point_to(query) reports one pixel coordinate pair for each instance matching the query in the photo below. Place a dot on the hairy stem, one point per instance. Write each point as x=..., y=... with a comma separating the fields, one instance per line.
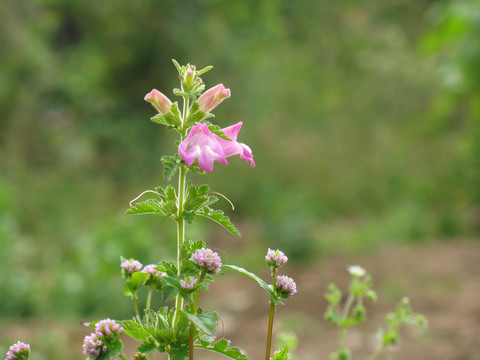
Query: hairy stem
x=194, y=311
x=270, y=318
x=343, y=328
x=149, y=298
x=135, y=306
x=376, y=352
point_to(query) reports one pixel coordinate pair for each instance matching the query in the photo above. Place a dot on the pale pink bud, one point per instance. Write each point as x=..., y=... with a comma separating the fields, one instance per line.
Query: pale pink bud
x=212, y=97
x=159, y=101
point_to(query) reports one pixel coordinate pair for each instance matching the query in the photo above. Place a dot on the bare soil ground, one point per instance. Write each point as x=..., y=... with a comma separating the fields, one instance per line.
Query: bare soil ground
x=442, y=281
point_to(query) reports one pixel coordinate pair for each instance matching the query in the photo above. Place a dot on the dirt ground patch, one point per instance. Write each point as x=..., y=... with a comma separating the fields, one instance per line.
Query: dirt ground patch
x=442, y=281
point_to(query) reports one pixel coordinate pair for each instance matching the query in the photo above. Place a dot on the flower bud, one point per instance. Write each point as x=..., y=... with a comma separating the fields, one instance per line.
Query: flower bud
x=188, y=283
x=356, y=271
x=275, y=258
x=159, y=101
x=18, y=351
x=212, y=97
x=188, y=79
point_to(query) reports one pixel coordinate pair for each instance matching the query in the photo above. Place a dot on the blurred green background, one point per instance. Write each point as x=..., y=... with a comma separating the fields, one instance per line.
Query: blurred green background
x=364, y=119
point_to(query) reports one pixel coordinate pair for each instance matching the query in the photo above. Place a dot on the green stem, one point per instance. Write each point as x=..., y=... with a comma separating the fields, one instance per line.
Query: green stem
x=135, y=306
x=179, y=217
x=192, y=325
x=149, y=298
x=270, y=318
x=376, y=353
x=343, y=328
x=122, y=356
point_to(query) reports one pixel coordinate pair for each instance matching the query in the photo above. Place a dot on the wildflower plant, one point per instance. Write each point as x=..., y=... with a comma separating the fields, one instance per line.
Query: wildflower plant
x=181, y=326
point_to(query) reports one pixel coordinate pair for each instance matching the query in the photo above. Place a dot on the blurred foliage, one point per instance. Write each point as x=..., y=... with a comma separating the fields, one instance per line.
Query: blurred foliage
x=364, y=118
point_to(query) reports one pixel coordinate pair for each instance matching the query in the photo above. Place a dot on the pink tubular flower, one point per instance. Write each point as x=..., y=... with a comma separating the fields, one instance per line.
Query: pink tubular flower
x=201, y=144
x=212, y=97
x=233, y=147
x=18, y=351
x=131, y=266
x=207, y=147
x=159, y=101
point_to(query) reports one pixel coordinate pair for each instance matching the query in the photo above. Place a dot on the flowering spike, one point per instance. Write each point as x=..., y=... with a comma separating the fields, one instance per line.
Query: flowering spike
x=106, y=332
x=207, y=260
x=159, y=101
x=212, y=97
x=18, y=351
x=285, y=286
x=275, y=258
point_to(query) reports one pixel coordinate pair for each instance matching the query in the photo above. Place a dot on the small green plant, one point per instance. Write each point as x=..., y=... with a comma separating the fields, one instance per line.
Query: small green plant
x=353, y=313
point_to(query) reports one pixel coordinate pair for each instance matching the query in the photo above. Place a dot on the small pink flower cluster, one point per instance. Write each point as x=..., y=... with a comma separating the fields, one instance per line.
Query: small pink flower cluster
x=285, y=286
x=208, y=260
x=152, y=271
x=188, y=283
x=18, y=351
x=275, y=258
x=131, y=266
x=96, y=343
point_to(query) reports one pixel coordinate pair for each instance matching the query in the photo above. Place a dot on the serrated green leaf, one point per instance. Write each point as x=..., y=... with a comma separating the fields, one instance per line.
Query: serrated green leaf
x=204, y=70
x=135, y=330
x=217, y=130
x=189, y=247
x=189, y=216
x=160, y=119
x=173, y=118
x=282, y=355
x=198, y=197
x=177, y=65
x=150, y=206
x=259, y=281
x=219, y=218
x=222, y=346
x=170, y=166
x=179, y=353
x=194, y=115
x=146, y=348
x=205, y=322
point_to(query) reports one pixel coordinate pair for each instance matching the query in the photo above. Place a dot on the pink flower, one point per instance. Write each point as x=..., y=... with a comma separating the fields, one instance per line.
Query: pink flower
x=207, y=147
x=159, y=101
x=212, y=97
x=201, y=144
x=233, y=147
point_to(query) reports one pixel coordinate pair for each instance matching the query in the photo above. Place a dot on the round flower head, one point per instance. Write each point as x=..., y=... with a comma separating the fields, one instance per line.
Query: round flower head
x=188, y=283
x=356, y=271
x=152, y=271
x=285, y=286
x=208, y=260
x=275, y=258
x=131, y=266
x=18, y=351
x=106, y=333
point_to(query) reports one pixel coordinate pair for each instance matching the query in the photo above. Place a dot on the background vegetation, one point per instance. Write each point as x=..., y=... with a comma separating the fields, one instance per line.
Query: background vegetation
x=364, y=119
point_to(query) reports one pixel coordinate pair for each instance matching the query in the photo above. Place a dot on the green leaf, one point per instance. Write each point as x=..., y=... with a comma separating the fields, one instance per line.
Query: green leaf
x=135, y=330
x=177, y=65
x=220, y=218
x=222, y=346
x=217, y=130
x=175, y=283
x=160, y=119
x=179, y=353
x=146, y=348
x=138, y=279
x=263, y=284
x=150, y=206
x=189, y=247
x=112, y=351
x=194, y=115
x=198, y=197
x=282, y=355
x=204, y=70
x=205, y=322
x=170, y=166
